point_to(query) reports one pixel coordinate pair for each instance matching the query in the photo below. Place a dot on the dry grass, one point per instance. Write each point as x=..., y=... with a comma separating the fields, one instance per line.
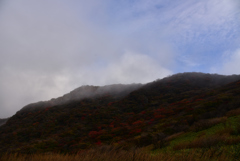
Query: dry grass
x=232, y=140
x=225, y=131
x=234, y=112
x=204, y=124
x=202, y=142
x=173, y=136
x=209, y=141
x=120, y=155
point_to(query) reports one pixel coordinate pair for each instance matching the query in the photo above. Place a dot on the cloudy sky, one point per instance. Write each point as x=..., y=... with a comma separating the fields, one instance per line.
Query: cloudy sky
x=50, y=47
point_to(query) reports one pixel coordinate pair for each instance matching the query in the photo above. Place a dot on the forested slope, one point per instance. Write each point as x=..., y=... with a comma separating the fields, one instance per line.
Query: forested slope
x=124, y=115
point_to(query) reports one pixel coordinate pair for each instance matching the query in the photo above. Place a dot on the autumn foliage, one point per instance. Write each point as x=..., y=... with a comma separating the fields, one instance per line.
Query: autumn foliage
x=143, y=117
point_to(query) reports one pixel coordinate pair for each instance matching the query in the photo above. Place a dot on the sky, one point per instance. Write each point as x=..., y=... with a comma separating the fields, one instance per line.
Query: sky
x=50, y=47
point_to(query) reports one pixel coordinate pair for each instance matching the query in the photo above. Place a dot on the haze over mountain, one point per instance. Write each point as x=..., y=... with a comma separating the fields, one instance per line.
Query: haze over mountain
x=2, y=121
x=86, y=92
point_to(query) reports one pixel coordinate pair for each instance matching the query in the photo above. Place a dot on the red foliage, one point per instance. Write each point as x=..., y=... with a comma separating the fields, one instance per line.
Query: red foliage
x=111, y=124
x=143, y=112
x=180, y=108
x=98, y=143
x=160, y=110
x=116, y=129
x=199, y=99
x=46, y=109
x=35, y=123
x=123, y=124
x=135, y=131
x=109, y=104
x=189, y=109
x=138, y=130
x=150, y=121
x=139, y=122
x=93, y=134
x=169, y=112
x=156, y=115
x=60, y=145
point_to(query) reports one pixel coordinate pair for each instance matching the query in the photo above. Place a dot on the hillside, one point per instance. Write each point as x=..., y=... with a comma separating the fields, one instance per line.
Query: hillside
x=115, y=91
x=123, y=116
x=3, y=121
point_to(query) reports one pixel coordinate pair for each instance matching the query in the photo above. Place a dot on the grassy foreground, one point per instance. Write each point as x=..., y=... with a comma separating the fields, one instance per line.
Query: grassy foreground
x=114, y=155
x=214, y=139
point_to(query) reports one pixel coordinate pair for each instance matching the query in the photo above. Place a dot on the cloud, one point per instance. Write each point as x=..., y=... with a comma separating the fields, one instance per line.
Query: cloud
x=197, y=30
x=203, y=16
x=48, y=48
x=21, y=87
x=202, y=31
x=231, y=65
x=134, y=67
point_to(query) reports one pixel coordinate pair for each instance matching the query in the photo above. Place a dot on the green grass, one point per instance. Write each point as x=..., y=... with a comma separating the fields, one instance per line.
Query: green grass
x=214, y=131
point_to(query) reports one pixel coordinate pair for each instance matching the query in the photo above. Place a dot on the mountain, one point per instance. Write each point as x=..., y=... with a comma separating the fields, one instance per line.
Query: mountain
x=122, y=115
x=85, y=92
x=3, y=121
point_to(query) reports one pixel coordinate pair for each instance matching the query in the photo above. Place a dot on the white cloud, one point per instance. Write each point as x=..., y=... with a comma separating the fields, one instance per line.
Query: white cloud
x=232, y=64
x=19, y=88
x=48, y=48
x=198, y=21
x=135, y=68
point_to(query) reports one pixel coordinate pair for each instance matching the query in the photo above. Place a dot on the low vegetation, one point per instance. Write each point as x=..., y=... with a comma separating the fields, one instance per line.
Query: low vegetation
x=120, y=155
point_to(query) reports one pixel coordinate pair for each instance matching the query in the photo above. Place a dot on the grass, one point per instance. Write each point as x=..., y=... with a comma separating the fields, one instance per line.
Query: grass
x=113, y=155
x=228, y=126
x=214, y=141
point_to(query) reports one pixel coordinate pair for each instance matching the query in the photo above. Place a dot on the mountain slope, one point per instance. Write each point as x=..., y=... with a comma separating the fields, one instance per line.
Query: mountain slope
x=3, y=121
x=116, y=91
x=131, y=115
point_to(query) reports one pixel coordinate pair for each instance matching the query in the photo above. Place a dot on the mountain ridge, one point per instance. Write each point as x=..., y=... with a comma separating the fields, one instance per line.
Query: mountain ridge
x=84, y=92
x=3, y=121
x=91, y=91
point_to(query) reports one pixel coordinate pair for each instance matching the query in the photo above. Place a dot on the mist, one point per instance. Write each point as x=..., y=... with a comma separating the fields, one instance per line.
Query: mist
x=49, y=49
